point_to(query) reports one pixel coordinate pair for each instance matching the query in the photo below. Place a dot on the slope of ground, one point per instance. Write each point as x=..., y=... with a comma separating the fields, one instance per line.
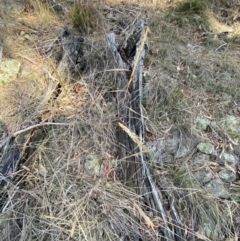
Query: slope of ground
x=69, y=183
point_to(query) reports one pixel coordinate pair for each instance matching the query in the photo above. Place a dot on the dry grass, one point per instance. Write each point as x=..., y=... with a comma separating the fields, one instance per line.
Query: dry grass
x=56, y=197
x=191, y=75
x=60, y=201
x=42, y=14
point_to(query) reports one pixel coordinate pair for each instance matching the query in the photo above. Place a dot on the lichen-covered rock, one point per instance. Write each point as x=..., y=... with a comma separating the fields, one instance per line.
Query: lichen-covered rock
x=232, y=126
x=177, y=145
x=230, y=158
x=200, y=160
x=206, y=148
x=203, y=123
x=9, y=70
x=227, y=176
x=217, y=188
x=92, y=164
x=203, y=176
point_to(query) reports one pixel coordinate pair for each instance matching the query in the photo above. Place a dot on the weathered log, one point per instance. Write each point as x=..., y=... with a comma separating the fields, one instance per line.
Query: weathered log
x=130, y=113
x=10, y=155
x=67, y=50
x=73, y=55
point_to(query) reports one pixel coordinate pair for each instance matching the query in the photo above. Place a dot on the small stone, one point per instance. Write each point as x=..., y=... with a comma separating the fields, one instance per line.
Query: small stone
x=92, y=164
x=200, y=160
x=21, y=39
x=232, y=159
x=216, y=187
x=227, y=176
x=9, y=70
x=232, y=125
x=203, y=176
x=202, y=123
x=206, y=148
x=28, y=37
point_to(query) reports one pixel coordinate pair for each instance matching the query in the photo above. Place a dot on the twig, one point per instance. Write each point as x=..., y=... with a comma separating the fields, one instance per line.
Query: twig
x=28, y=59
x=220, y=46
x=38, y=125
x=10, y=199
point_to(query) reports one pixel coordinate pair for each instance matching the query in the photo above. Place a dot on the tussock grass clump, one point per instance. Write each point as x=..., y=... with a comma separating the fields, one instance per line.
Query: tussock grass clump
x=190, y=11
x=189, y=7
x=43, y=12
x=85, y=17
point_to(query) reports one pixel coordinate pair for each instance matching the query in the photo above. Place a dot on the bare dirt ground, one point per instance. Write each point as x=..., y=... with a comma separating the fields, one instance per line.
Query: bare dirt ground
x=68, y=185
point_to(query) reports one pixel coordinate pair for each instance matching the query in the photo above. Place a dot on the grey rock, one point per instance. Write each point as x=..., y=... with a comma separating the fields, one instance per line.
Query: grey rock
x=230, y=158
x=217, y=188
x=232, y=126
x=206, y=148
x=203, y=123
x=178, y=144
x=227, y=176
x=203, y=176
x=200, y=160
